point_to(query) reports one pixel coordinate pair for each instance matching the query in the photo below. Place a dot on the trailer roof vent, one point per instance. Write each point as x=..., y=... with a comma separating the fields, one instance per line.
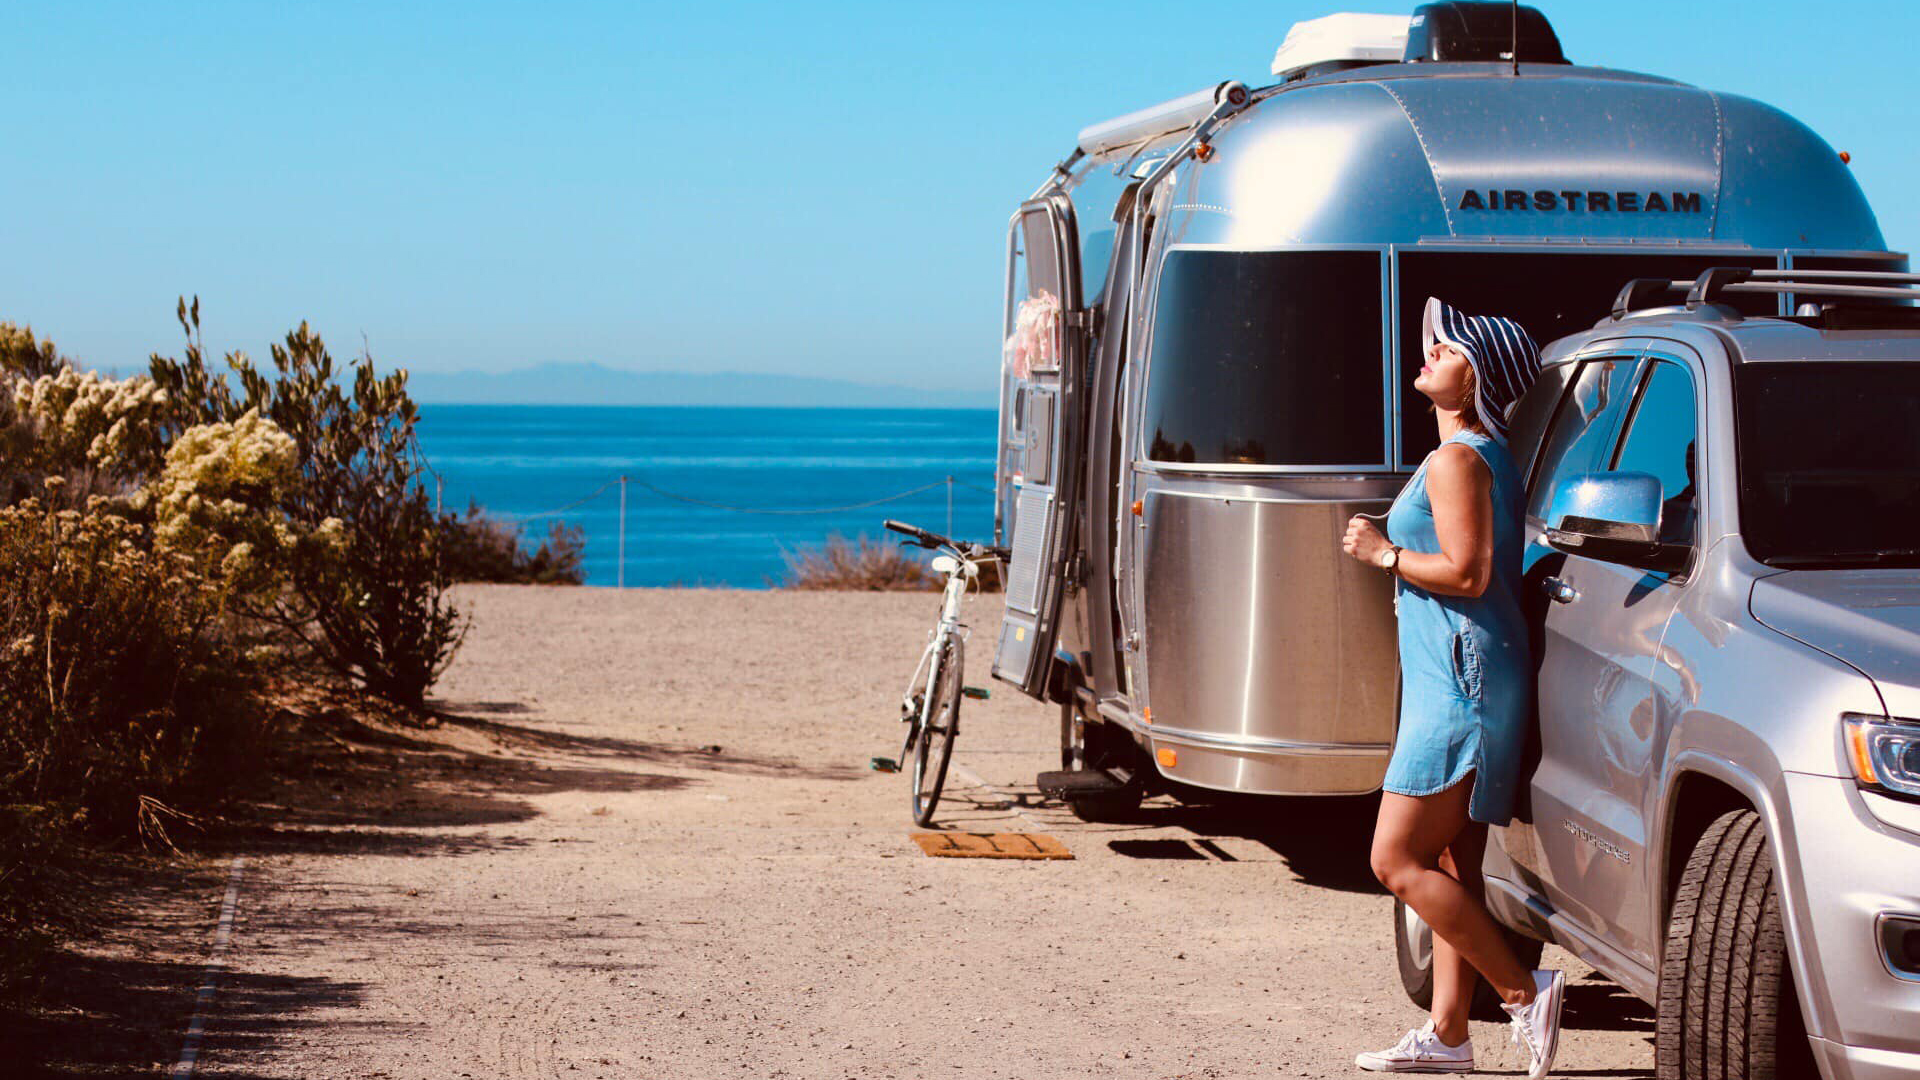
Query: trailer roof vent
x=1337, y=42
x=1464, y=30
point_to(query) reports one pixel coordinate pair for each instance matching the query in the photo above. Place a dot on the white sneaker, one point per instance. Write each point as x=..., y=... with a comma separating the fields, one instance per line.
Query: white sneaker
x=1536, y=1026
x=1419, y=1051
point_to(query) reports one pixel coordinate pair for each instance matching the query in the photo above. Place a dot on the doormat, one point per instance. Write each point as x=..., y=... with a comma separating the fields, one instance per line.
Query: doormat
x=991, y=845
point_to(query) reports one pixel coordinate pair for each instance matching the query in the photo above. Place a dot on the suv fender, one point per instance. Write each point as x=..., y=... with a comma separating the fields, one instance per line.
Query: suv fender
x=1767, y=802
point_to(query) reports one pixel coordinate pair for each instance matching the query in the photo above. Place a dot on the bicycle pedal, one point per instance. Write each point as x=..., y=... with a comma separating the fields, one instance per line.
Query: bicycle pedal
x=884, y=764
x=978, y=693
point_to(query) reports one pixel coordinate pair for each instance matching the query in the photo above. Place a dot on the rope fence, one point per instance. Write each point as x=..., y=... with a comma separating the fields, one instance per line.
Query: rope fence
x=948, y=482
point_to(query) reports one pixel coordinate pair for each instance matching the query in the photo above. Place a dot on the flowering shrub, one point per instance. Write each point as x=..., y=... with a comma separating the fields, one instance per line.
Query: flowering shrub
x=365, y=570
x=83, y=418
x=24, y=354
x=98, y=433
x=166, y=545
x=218, y=500
x=119, y=681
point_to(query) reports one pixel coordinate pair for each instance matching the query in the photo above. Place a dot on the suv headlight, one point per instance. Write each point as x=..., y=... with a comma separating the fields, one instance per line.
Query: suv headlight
x=1885, y=753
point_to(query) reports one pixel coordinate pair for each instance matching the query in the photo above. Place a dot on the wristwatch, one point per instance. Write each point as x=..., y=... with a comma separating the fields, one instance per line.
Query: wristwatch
x=1390, y=559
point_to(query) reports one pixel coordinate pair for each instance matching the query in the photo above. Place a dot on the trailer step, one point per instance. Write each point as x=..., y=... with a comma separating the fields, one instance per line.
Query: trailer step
x=1078, y=783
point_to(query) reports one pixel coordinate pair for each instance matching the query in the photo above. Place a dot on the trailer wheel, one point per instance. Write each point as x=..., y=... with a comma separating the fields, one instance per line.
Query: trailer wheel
x=1413, y=949
x=1727, y=1007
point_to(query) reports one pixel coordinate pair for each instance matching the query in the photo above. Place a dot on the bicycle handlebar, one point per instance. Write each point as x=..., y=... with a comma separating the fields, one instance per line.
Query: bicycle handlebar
x=928, y=539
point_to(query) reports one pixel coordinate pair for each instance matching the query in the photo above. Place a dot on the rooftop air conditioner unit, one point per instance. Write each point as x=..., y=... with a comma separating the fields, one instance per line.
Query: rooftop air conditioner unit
x=1335, y=42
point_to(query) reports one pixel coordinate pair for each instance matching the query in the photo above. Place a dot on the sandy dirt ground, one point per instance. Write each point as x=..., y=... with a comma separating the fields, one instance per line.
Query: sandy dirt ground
x=654, y=849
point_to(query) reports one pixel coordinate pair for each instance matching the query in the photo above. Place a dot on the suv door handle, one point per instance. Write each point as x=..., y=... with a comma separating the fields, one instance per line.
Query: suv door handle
x=1559, y=591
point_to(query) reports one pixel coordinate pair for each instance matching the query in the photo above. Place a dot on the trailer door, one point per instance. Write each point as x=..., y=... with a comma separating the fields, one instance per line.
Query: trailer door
x=1042, y=410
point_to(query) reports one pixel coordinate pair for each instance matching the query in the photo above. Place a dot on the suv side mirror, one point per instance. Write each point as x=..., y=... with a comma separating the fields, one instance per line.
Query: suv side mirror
x=1613, y=517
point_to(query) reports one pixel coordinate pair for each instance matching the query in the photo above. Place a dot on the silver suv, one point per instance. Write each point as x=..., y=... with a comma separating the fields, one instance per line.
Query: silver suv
x=1723, y=809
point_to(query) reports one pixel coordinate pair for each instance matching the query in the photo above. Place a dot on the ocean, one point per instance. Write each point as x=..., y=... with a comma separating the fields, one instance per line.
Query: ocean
x=538, y=463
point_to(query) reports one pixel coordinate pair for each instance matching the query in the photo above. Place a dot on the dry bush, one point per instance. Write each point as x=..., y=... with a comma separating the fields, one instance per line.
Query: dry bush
x=861, y=565
x=858, y=565
x=481, y=547
x=123, y=686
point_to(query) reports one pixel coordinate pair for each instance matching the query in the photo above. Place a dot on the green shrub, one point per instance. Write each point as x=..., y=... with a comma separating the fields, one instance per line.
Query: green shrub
x=372, y=605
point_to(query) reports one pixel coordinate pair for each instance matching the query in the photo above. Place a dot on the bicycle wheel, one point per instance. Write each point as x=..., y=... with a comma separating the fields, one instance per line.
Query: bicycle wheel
x=934, y=746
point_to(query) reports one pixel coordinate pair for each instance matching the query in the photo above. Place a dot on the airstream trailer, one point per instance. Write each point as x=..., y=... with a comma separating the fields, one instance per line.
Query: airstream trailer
x=1212, y=329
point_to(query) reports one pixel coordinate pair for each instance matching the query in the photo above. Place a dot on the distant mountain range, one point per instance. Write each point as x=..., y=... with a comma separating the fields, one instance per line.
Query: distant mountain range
x=597, y=384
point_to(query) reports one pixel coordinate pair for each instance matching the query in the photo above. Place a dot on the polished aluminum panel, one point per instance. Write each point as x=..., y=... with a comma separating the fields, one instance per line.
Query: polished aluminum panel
x=1261, y=637
x=1335, y=165
x=1270, y=771
x=1394, y=155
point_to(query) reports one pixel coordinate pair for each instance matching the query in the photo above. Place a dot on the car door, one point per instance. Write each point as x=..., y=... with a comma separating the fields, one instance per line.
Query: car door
x=1583, y=417
x=1043, y=386
x=1604, y=622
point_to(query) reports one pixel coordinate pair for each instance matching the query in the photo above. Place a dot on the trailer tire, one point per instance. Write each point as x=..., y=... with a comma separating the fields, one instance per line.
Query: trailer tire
x=1727, y=1006
x=1413, y=951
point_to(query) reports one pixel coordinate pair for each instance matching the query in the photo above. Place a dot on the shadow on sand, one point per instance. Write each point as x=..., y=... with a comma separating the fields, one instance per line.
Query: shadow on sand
x=118, y=1002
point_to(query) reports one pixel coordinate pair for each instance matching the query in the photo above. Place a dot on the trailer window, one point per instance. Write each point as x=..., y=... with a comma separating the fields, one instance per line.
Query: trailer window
x=1267, y=358
x=1550, y=294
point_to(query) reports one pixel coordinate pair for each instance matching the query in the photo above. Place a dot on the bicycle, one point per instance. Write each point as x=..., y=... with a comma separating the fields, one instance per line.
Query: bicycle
x=930, y=707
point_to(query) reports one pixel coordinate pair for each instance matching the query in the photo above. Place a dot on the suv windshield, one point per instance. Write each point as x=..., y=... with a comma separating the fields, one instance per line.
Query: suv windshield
x=1829, y=462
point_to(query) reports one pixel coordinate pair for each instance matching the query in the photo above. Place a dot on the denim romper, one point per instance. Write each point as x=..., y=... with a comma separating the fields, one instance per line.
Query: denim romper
x=1466, y=674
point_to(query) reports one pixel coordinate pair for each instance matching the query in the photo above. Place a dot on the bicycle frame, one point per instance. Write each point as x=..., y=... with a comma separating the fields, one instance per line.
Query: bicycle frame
x=948, y=627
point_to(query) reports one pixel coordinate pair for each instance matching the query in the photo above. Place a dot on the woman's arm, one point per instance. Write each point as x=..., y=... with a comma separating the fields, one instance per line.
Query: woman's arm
x=1460, y=487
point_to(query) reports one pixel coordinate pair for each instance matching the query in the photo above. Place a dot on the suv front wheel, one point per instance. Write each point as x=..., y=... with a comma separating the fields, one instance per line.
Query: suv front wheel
x=1727, y=1006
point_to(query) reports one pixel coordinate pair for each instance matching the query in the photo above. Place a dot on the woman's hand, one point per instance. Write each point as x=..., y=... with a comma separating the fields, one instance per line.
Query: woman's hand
x=1363, y=541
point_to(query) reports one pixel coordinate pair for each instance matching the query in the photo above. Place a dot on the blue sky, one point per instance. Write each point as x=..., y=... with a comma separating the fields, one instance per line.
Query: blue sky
x=806, y=188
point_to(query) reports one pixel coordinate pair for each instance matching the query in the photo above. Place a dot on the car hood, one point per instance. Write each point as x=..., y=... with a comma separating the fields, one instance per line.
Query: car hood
x=1869, y=618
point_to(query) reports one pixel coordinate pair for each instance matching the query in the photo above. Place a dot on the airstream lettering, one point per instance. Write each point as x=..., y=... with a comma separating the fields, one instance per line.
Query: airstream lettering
x=1213, y=318
x=1680, y=202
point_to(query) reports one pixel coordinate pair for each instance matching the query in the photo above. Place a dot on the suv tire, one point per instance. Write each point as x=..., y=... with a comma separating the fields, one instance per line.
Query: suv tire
x=1727, y=1006
x=1413, y=951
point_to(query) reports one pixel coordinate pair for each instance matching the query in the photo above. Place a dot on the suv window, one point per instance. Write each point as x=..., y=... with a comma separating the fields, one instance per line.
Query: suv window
x=1660, y=441
x=1829, y=456
x=1582, y=429
x=1530, y=416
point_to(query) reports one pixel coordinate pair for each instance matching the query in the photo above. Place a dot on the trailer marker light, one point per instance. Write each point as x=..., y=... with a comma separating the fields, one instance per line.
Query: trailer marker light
x=1166, y=757
x=1139, y=507
x=1203, y=151
x=1846, y=158
x=1146, y=715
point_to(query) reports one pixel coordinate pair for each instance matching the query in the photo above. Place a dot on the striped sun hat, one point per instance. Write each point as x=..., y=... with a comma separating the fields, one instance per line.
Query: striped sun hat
x=1505, y=360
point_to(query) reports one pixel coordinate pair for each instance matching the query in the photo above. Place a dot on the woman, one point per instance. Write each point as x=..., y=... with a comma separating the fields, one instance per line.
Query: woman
x=1453, y=542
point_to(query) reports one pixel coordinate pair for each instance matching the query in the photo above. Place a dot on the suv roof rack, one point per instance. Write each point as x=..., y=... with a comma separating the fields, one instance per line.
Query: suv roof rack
x=1858, y=284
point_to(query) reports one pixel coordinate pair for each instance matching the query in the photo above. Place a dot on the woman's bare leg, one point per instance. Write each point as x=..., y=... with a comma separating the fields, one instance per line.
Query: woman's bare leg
x=1408, y=839
x=1454, y=980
